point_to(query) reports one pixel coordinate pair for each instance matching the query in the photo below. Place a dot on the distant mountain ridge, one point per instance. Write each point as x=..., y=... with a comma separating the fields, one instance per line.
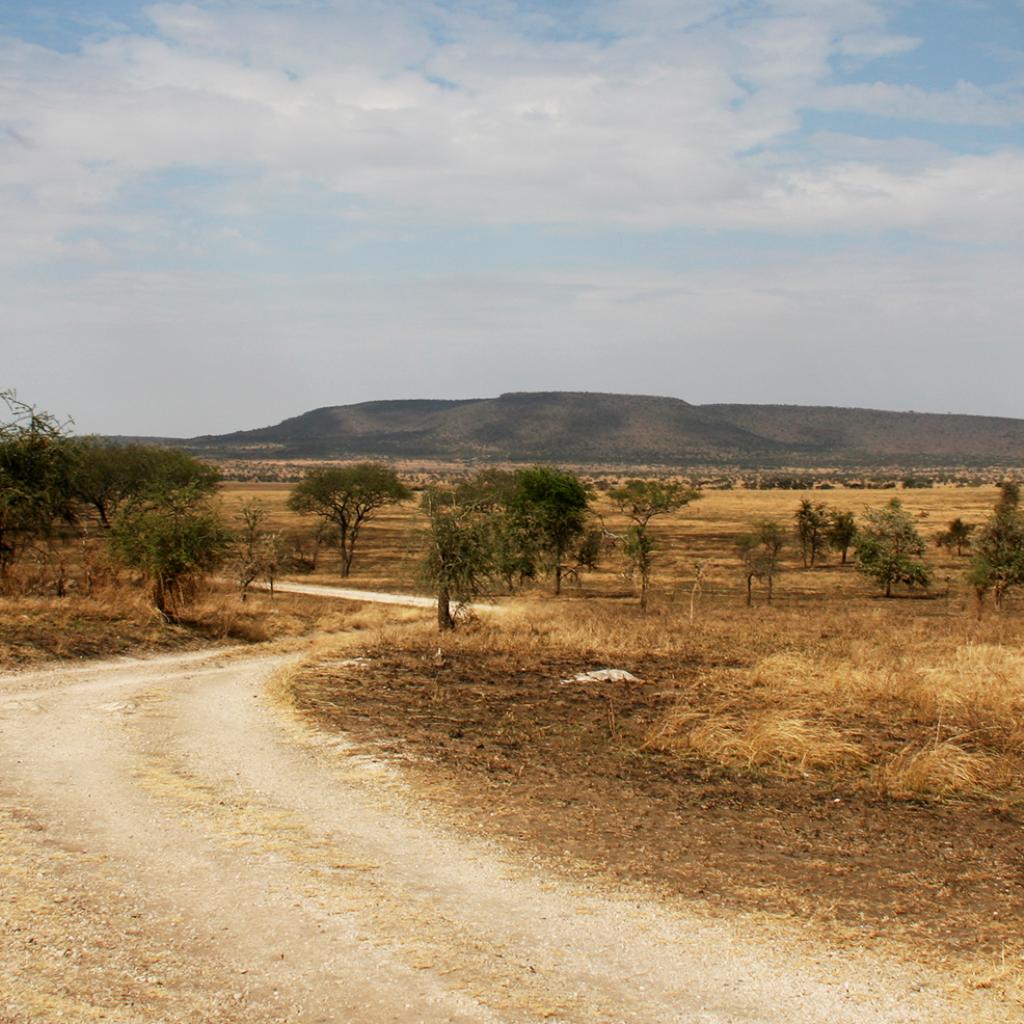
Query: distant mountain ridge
x=592, y=427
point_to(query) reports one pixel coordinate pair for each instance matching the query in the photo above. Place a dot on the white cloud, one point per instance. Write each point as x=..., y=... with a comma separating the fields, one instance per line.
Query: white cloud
x=965, y=103
x=232, y=128
x=685, y=117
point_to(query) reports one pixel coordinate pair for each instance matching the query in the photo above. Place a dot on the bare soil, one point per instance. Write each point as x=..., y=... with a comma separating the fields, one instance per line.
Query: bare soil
x=561, y=769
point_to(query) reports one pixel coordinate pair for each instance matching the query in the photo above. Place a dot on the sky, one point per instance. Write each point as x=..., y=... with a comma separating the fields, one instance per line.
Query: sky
x=221, y=213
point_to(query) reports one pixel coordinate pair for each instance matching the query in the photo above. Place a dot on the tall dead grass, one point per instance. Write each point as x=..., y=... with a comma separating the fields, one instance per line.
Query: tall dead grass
x=880, y=699
x=765, y=739
x=914, y=713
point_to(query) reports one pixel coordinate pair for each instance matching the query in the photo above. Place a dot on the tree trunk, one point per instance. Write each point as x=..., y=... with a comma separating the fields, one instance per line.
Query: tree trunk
x=444, y=610
x=558, y=577
x=347, y=551
x=750, y=591
x=888, y=588
x=770, y=585
x=644, y=584
x=160, y=598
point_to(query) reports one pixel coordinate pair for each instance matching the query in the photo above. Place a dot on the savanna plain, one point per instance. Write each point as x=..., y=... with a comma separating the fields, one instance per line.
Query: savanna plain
x=839, y=772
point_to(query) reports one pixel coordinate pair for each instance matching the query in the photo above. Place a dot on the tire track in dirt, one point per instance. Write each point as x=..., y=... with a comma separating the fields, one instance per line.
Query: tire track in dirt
x=284, y=878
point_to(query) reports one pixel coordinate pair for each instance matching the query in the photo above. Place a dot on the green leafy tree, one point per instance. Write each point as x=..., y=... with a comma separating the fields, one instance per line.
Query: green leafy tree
x=1009, y=495
x=106, y=475
x=172, y=539
x=516, y=538
x=586, y=554
x=641, y=501
x=841, y=532
x=760, y=554
x=812, y=522
x=551, y=507
x=888, y=547
x=36, y=457
x=956, y=535
x=348, y=497
x=998, y=563
x=462, y=560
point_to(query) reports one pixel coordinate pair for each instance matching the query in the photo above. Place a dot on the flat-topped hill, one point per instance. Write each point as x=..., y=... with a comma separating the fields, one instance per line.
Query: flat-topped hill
x=586, y=427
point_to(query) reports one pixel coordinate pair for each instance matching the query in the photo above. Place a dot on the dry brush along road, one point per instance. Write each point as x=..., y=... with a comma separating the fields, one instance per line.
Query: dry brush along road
x=175, y=845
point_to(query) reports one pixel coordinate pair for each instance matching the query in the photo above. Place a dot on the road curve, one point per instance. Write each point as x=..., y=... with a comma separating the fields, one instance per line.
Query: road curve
x=370, y=596
x=176, y=846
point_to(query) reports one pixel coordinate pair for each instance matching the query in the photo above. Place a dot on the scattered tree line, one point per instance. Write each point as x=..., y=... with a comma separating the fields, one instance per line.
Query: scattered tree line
x=887, y=547
x=152, y=509
x=150, y=506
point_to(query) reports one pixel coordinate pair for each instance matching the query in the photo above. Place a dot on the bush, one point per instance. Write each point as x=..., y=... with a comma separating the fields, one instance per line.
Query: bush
x=172, y=539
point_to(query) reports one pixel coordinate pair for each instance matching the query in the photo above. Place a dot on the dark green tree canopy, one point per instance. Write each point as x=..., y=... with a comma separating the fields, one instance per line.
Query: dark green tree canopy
x=956, y=535
x=464, y=549
x=172, y=538
x=841, y=532
x=552, y=506
x=348, y=496
x=889, y=548
x=105, y=474
x=1009, y=495
x=812, y=522
x=998, y=563
x=36, y=460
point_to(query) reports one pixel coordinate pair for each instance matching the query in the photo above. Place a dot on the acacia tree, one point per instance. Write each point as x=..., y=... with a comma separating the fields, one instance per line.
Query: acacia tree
x=641, y=501
x=551, y=507
x=1009, y=495
x=956, y=535
x=35, y=478
x=998, y=563
x=105, y=475
x=841, y=532
x=760, y=553
x=462, y=557
x=172, y=539
x=257, y=554
x=348, y=497
x=812, y=522
x=888, y=546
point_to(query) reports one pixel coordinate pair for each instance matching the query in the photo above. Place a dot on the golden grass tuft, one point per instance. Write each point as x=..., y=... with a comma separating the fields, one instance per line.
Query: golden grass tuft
x=941, y=770
x=768, y=739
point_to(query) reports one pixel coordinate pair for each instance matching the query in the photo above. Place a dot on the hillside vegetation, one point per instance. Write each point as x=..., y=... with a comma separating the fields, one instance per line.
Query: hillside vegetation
x=581, y=427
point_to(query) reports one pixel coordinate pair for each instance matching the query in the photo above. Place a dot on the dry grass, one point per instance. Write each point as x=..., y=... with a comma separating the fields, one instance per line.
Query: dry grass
x=943, y=769
x=121, y=619
x=830, y=680
x=919, y=715
x=820, y=762
x=878, y=696
x=387, y=559
x=770, y=739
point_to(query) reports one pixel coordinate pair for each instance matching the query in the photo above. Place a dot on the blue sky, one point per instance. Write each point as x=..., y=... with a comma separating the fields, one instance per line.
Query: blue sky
x=218, y=214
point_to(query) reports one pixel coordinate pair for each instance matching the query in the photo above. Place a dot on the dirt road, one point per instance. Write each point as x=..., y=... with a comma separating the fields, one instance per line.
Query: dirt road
x=174, y=846
x=372, y=596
